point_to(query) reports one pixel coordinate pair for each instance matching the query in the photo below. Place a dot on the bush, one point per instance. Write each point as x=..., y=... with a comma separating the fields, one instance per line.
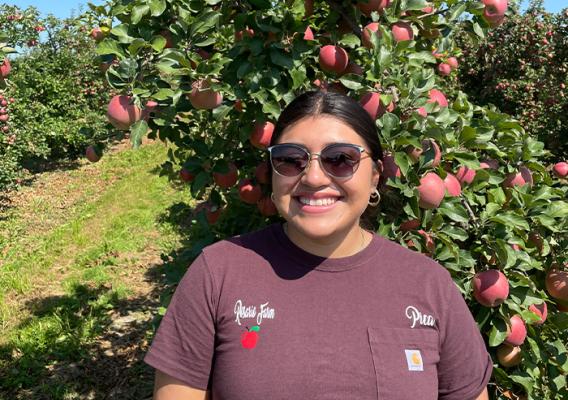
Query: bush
x=522, y=68
x=257, y=56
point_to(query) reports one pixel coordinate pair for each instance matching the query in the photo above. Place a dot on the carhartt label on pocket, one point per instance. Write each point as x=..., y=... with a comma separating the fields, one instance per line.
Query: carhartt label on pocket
x=414, y=360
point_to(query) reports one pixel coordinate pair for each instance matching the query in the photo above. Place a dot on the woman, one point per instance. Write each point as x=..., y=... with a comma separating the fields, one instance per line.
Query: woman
x=318, y=307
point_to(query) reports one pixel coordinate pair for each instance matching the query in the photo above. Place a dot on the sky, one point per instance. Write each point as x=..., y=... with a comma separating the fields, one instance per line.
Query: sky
x=62, y=8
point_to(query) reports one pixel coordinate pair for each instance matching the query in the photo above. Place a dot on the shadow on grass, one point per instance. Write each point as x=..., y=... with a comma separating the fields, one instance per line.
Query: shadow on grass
x=88, y=344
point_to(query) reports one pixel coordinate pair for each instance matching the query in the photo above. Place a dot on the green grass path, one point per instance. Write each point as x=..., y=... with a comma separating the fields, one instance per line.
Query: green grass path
x=79, y=260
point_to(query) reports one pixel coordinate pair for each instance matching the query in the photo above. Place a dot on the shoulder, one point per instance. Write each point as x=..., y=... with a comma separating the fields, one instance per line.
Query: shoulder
x=250, y=242
x=409, y=264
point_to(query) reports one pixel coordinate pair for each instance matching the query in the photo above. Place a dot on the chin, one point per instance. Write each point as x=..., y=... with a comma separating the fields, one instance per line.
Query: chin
x=316, y=228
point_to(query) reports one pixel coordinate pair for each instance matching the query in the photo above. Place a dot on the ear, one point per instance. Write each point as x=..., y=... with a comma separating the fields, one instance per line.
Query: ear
x=376, y=174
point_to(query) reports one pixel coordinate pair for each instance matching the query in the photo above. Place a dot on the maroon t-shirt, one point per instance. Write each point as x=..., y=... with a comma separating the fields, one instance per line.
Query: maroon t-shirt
x=257, y=318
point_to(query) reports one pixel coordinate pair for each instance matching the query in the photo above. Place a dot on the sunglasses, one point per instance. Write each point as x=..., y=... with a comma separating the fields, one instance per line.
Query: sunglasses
x=340, y=160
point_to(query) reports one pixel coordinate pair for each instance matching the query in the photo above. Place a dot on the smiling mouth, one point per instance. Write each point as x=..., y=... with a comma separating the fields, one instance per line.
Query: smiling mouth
x=322, y=202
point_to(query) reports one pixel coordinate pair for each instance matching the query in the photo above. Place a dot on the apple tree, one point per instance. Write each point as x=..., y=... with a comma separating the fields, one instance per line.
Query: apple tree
x=462, y=183
x=522, y=67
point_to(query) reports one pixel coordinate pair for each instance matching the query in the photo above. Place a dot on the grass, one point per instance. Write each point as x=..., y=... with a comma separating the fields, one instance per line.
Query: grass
x=66, y=278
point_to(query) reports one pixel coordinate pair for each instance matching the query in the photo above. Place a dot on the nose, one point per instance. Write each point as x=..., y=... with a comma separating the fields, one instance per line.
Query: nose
x=314, y=175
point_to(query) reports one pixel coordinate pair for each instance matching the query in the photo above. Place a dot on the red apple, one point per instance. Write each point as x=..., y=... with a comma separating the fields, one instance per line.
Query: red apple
x=97, y=34
x=93, y=154
x=428, y=241
x=122, y=113
x=371, y=102
x=266, y=206
x=370, y=29
x=494, y=12
x=150, y=107
x=509, y=356
x=428, y=10
x=402, y=31
x=204, y=98
x=390, y=169
x=422, y=112
x=353, y=68
x=465, y=175
x=521, y=178
x=212, y=212
x=427, y=144
x=561, y=169
x=372, y=5
x=333, y=59
x=249, y=339
x=517, y=331
x=261, y=134
x=4, y=117
x=490, y=288
x=249, y=192
x=185, y=175
x=238, y=105
x=489, y=164
x=444, y=69
x=431, y=191
x=169, y=40
x=262, y=173
x=541, y=310
x=5, y=68
x=228, y=179
x=437, y=96
x=308, y=34
x=410, y=225
x=452, y=62
x=556, y=283
x=453, y=186
x=245, y=32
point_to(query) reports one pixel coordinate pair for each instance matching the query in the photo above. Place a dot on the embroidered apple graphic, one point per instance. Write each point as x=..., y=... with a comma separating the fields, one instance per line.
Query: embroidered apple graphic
x=250, y=337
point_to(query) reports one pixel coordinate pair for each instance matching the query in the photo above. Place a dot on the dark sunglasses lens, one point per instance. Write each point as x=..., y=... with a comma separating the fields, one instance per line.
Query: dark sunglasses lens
x=341, y=161
x=288, y=160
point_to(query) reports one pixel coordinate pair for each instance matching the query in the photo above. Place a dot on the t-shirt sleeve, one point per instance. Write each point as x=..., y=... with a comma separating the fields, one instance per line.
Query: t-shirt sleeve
x=184, y=343
x=465, y=367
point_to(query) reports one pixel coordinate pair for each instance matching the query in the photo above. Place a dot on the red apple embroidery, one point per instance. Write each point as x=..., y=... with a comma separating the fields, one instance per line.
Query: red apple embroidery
x=250, y=337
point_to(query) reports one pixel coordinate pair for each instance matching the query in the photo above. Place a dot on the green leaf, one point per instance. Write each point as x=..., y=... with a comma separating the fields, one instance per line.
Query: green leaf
x=455, y=211
x=298, y=77
x=350, y=40
x=255, y=328
x=351, y=81
x=163, y=94
x=455, y=12
x=281, y=59
x=157, y=7
x=478, y=31
x=158, y=43
x=138, y=13
x=137, y=132
x=498, y=332
x=414, y=5
x=510, y=219
x=109, y=46
x=423, y=56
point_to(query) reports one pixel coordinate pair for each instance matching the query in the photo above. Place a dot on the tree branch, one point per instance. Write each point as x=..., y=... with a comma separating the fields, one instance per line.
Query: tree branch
x=337, y=7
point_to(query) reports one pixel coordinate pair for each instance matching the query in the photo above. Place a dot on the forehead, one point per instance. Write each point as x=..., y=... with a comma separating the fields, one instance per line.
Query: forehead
x=319, y=131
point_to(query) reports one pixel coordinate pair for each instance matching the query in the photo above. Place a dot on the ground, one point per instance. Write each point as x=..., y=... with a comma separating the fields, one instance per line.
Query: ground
x=84, y=248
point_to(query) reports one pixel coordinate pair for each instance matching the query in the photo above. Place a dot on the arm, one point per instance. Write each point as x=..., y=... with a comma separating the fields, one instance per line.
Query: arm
x=169, y=388
x=483, y=396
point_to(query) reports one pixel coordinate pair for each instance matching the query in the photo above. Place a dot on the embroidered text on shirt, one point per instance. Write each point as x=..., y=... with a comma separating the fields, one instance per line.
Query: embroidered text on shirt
x=416, y=316
x=244, y=312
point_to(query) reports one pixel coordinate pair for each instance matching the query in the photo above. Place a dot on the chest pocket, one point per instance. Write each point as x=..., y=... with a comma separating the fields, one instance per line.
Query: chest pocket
x=405, y=362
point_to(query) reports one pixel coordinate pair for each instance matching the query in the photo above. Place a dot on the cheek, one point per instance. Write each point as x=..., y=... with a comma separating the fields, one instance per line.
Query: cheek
x=282, y=186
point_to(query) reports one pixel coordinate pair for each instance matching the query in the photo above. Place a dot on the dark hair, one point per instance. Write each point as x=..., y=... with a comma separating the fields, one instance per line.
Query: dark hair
x=342, y=107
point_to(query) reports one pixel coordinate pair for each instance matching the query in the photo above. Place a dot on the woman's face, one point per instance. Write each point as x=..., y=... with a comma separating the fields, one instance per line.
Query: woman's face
x=345, y=198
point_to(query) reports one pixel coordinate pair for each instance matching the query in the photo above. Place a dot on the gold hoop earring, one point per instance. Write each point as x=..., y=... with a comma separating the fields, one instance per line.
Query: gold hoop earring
x=375, y=198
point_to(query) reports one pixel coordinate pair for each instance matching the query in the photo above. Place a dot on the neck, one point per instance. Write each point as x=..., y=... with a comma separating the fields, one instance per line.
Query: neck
x=340, y=244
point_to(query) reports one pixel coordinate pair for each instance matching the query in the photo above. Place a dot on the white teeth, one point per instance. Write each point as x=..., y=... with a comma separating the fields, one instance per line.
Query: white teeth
x=317, y=202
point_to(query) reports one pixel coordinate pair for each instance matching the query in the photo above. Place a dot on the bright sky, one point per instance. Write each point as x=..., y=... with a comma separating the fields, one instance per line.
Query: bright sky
x=63, y=8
